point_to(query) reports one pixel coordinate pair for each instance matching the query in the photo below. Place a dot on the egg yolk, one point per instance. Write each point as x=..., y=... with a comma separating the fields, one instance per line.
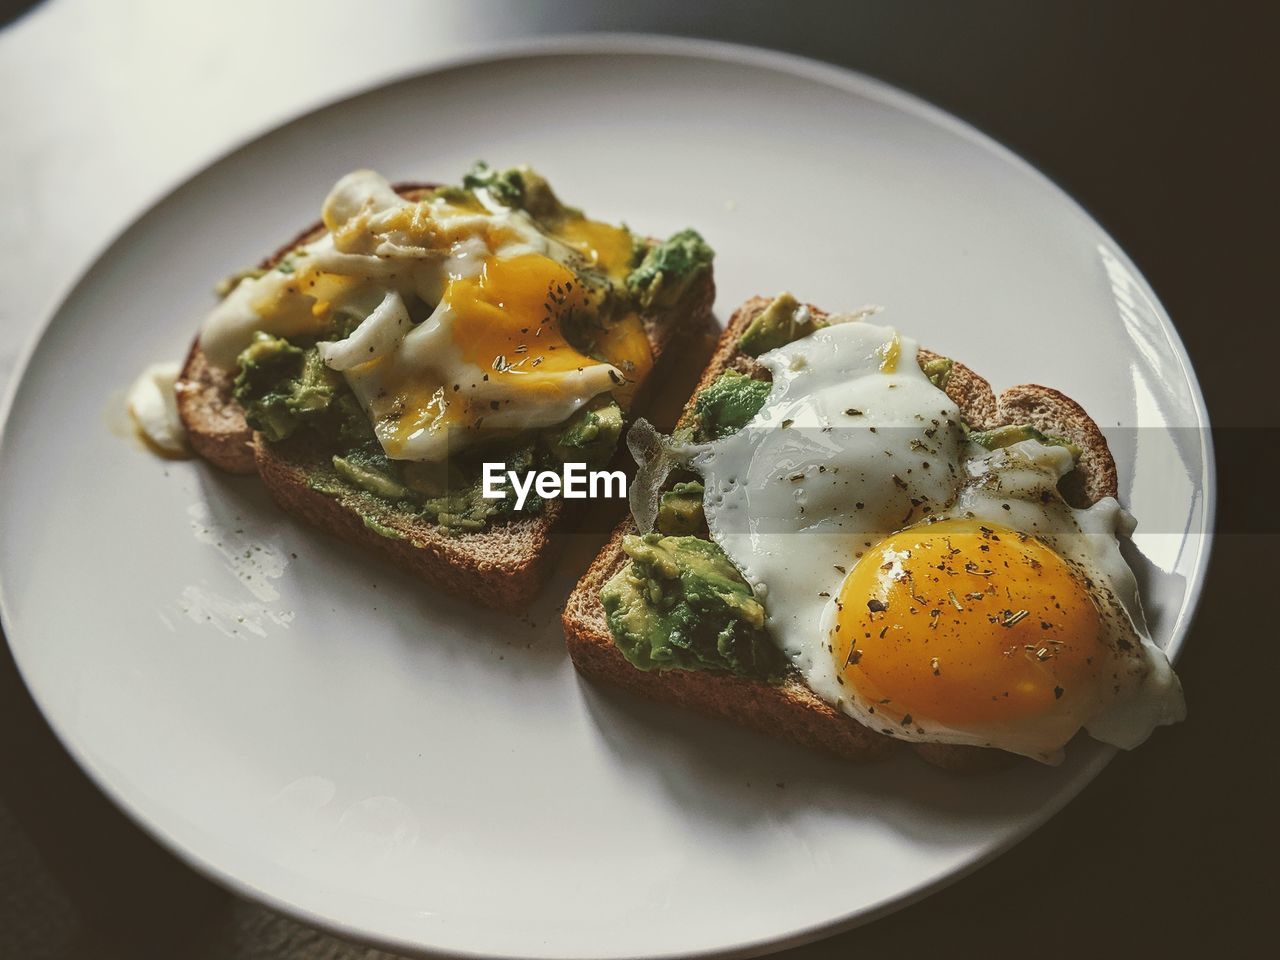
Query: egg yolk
x=968, y=625
x=302, y=304
x=511, y=317
x=508, y=323
x=602, y=245
x=508, y=318
x=625, y=345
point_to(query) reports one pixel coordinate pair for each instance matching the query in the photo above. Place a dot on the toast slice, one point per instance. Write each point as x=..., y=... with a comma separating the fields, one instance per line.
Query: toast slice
x=790, y=710
x=502, y=566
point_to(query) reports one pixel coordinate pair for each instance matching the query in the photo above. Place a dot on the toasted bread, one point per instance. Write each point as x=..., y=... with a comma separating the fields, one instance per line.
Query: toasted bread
x=501, y=566
x=790, y=710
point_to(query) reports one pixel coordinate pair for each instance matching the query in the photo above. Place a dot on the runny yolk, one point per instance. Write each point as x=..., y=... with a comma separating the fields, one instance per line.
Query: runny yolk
x=301, y=303
x=968, y=625
x=890, y=354
x=625, y=345
x=603, y=245
x=509, y=317
x=509, y=322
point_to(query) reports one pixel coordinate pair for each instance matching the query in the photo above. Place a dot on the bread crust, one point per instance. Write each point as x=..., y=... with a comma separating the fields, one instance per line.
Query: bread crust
x=215, y=424
x=789, y=710
x=502, y=566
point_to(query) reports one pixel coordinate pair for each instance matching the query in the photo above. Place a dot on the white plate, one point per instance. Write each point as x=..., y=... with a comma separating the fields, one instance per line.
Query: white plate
x=326, y=735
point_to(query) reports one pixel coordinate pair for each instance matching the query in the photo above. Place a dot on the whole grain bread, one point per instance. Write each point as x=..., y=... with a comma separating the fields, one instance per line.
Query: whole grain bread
x=501, y=566
x=790, y=710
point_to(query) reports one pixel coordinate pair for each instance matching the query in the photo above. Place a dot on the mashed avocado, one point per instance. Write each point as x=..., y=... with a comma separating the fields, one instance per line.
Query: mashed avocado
x=1013, y=433
x=938, y=370
x=679, y=604
x=288, y=392
x=281, y=387
x=590, y=436
x=680, y=511
x=450, y=495
x=521, y=188
x=725, y=405
x=667, y=271
x=359, y=471
x=782, y=321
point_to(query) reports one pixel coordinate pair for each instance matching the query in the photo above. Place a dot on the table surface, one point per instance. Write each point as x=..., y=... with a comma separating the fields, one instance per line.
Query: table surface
x=1144, y=113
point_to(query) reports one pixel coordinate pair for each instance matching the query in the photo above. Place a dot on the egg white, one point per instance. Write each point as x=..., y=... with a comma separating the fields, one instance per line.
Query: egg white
x=781, y=500
x=153, y=406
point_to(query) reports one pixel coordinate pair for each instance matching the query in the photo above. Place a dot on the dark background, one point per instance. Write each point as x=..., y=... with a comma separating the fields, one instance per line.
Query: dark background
x=1160, y=120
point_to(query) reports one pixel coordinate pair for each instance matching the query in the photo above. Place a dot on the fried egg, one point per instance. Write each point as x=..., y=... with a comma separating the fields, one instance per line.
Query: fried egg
x=458, y=307
x=931, y=589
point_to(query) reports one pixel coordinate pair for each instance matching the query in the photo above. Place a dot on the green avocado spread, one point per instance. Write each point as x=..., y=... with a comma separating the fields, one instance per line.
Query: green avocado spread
x=679, y=604
x=287, y=392
x=666, y=271
x=938, y=370
x=450, y=495
x=725, y=405
x=281, y=388
x=680, y=511
x=783, y=321
x=590, y=436
x=1009, y=434
x=289, y=395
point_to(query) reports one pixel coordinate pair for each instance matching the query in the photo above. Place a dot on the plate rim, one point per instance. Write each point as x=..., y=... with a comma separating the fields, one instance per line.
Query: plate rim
x=553, y=46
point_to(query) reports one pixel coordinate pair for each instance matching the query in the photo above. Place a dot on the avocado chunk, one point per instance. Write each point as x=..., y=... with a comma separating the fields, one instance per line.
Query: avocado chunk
x=368, y=477
x=1013, y=433
x=522, y=188
x=782, y=321
x=231, y=281
x=456, y=500
x=269, y=367
x=938, y=370
x=459, y=196
x=280, y=387
x=726, y=405
x=590, y=436
x=317, y=386
x=680, y=511
x=380, y=528
x=448, y=494
x=505, y=186
x=669, y=269
x=679, y=604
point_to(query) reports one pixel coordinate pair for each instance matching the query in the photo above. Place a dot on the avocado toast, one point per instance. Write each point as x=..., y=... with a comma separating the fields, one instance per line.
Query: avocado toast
x=757, y=688
x=333, y=450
